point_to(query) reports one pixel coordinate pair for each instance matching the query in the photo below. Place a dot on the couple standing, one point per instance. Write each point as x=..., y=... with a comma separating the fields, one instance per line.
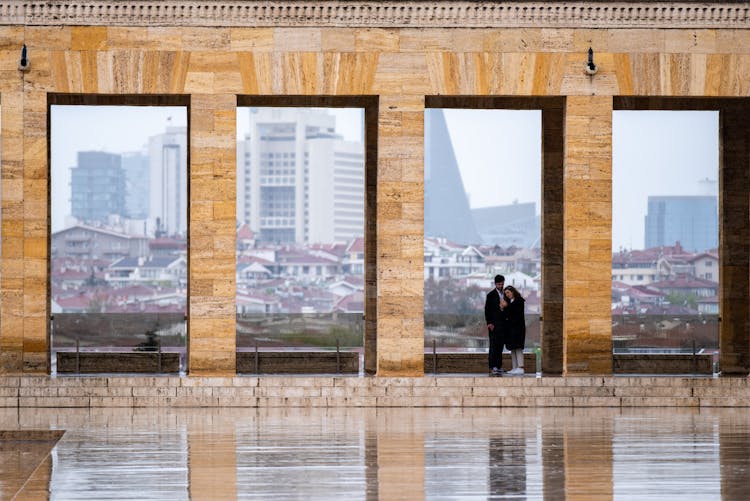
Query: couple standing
x=506, y=324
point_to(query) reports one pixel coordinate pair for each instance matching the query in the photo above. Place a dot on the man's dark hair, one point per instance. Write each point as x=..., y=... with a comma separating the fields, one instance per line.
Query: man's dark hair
x=499, y=278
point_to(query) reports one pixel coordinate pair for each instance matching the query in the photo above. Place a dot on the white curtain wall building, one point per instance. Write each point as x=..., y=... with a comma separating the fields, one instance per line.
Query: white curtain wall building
x=298, y=181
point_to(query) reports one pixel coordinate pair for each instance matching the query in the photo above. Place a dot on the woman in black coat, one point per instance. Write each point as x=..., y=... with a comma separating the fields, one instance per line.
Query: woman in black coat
x=515, y=337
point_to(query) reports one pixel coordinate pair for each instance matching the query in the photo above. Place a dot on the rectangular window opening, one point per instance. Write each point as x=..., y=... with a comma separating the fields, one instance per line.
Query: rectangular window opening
x=118, y=242
x=665, y=238
x=301, y=205
x=482, y=218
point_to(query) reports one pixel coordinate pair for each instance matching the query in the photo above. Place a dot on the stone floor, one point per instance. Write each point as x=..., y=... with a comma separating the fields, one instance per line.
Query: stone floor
x=375, y=453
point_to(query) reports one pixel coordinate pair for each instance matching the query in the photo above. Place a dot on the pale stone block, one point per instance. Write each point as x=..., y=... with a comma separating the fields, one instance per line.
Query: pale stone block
x=53, y=401
x=155, y=391
x=287, y=391
x=234, y=391
x=292, y=402
x=206, y=381
x=10, y=381
x=377, y=40
x=653, y=391
x=315, y=381
x=296, y=39
x=352, y=382
x=363, y=401
x=660, y=402
x=481, y=401
x=399, y=391
x=338, y=39
x=455, y=381
x=723, y=402
x=238, y=401
x=9, y=391
x=8, y=402
x=252, y=39
x=583, y=391
x=112, y=401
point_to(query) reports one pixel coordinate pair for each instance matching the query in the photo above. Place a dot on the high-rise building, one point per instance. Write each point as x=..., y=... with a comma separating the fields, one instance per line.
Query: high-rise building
x=298, y=181
x=446, y=206
x=167, y=154
x=137, y=184
x=690, y=220
x=97, y=187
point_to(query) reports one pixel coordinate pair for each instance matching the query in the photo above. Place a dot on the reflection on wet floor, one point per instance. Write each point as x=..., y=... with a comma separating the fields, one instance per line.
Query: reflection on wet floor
x=429, y=453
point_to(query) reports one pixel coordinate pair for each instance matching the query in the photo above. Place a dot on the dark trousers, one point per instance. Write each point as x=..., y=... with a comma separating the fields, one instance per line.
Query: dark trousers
x=496, y=349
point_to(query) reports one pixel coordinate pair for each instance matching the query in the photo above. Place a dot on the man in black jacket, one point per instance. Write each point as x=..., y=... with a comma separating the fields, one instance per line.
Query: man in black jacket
x=493, y=316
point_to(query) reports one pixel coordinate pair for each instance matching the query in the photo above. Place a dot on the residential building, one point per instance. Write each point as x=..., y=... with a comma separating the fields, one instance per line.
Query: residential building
x=706, y=265
x=87, y=242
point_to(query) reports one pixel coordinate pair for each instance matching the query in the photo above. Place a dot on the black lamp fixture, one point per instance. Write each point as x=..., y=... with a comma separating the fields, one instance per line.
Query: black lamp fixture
x=591, y=68
x=24, y=63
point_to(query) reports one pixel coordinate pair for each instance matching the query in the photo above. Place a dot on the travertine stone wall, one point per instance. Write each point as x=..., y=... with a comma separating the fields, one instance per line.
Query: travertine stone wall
x=587, y=234
x=401, y=65
x=212, y=194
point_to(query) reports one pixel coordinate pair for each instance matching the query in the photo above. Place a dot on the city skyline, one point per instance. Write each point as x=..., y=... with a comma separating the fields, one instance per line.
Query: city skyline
x=658, y=144
x=108, y=129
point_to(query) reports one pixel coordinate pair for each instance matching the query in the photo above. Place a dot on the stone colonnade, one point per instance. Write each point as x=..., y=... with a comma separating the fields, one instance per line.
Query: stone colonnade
x=395, y=63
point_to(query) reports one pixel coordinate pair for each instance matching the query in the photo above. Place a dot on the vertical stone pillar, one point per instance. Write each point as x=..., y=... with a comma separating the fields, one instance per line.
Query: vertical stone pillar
x=552, y=242
x=400, y=236
x=212, y=284
x=734, y=241
x=23, y=332
x=587, y=253
x=11, y=274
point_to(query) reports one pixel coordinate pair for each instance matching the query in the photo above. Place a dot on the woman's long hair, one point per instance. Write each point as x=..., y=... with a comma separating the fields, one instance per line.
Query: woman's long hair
x=514, y=291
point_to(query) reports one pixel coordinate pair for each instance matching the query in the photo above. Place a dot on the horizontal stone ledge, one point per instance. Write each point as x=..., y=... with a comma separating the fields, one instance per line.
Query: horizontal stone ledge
x=382, y=14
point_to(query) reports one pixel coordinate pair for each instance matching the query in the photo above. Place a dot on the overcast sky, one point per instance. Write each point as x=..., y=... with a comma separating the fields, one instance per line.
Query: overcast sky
x=659, y=153
x=499, y=154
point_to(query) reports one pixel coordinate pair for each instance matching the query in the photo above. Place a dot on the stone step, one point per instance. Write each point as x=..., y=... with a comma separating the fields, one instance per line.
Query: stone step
x=342, y=391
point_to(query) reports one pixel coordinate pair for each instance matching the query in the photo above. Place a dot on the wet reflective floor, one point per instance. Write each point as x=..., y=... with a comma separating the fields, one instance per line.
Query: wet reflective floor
x=428, y=453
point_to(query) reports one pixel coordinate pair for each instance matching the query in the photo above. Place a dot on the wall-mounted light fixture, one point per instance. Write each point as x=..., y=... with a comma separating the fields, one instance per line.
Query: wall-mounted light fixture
x=24, y=63
x=591, y=68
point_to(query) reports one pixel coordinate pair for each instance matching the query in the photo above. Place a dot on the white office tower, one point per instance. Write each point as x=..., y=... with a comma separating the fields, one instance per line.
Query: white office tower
x=298, y=181
x=168, y=165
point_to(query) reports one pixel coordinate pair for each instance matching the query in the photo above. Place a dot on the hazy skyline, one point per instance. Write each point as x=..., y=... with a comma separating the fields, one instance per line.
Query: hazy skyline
x=349, y=121
x=659, y=153
x=655, y=153
x=498, y=153
x=112, y=129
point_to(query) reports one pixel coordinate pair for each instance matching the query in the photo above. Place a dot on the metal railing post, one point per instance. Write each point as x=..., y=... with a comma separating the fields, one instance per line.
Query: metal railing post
x=256, y=357
x=434, y=357
x=338, y=357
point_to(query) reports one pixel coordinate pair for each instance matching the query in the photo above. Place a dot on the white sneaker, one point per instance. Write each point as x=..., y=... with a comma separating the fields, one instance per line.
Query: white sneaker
x=518, y=371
